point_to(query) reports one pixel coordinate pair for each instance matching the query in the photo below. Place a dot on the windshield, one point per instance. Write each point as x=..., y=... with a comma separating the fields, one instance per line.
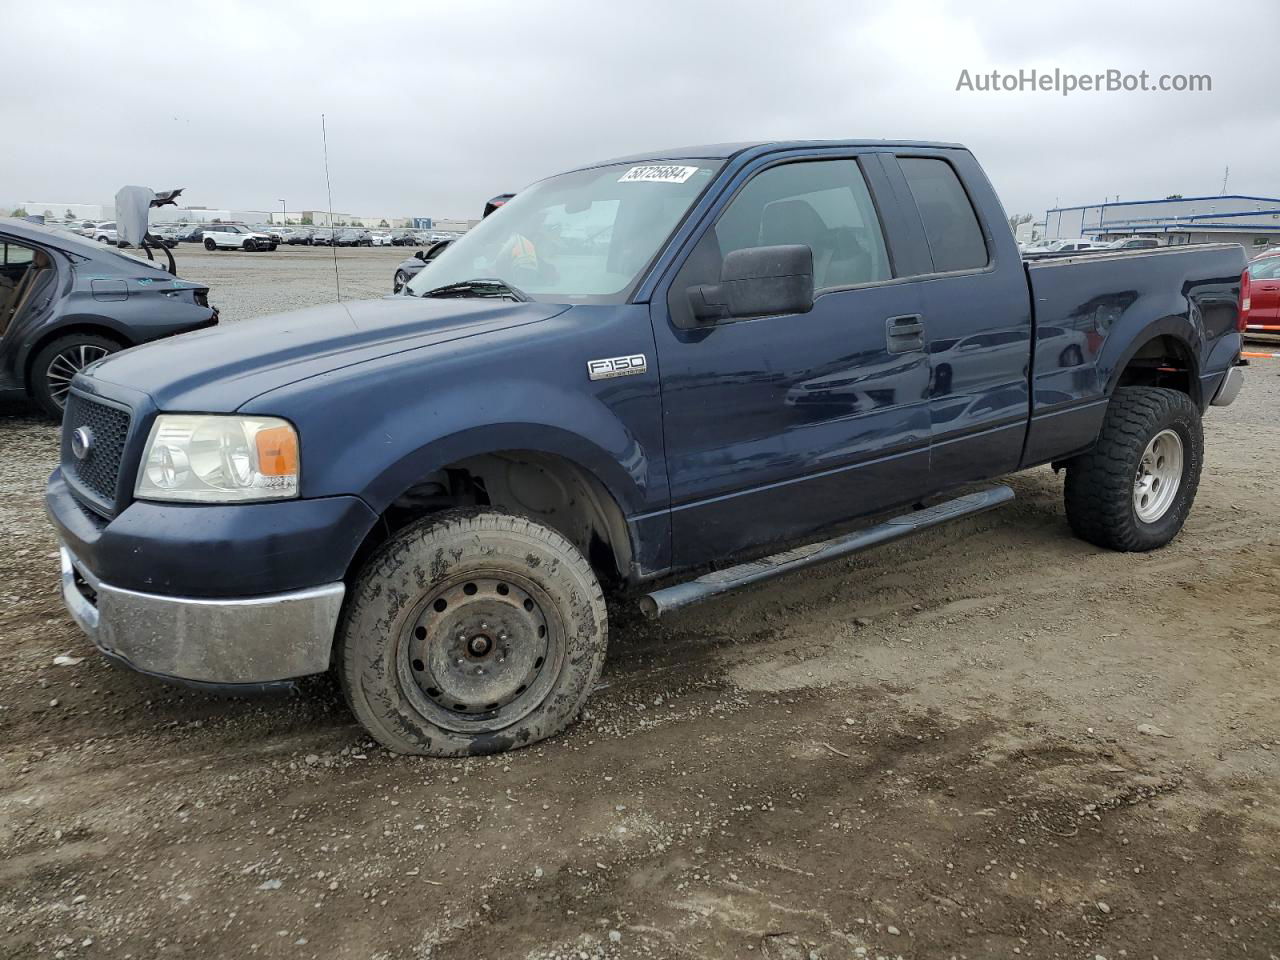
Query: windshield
x=584, y=236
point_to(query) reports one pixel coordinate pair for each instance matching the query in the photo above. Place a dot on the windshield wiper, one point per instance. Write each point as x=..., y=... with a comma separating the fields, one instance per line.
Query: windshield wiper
x=480, y=287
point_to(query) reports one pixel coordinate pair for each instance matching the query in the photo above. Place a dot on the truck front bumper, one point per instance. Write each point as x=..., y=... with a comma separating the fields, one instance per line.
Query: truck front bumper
x=244, y=642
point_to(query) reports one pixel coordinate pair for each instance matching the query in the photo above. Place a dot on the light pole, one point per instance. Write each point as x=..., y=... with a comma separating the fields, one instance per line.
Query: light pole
x=284, y=213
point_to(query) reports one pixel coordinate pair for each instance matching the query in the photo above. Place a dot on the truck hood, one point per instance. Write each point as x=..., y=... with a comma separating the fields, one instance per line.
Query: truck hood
x=219, y=369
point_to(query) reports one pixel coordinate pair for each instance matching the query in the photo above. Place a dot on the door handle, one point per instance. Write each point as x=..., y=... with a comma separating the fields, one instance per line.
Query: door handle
x=905, y=334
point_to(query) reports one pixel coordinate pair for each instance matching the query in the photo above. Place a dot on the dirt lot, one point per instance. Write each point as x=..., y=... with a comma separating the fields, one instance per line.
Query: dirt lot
x=991, y=741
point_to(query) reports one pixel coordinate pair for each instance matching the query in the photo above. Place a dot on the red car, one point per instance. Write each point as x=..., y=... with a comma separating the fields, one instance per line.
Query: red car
x=1264, y=294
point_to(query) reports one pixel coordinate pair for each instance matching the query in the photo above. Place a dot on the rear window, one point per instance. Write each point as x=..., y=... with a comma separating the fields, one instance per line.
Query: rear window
x=15, y=255
x=950, y=223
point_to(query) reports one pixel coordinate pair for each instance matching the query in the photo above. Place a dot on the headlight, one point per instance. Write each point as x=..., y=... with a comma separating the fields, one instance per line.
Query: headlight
x=208, y=459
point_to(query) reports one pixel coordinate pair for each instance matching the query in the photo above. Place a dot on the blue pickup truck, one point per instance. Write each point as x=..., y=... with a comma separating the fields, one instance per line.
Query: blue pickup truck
x=665, y=375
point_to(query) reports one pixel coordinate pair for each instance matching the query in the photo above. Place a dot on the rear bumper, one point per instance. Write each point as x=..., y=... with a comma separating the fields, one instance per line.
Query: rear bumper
x=253, y=641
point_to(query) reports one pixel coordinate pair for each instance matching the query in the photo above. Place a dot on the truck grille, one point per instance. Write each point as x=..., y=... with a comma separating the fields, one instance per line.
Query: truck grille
x=98, y=471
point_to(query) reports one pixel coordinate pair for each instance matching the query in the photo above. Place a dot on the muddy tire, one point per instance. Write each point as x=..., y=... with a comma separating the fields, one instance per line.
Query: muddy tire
x=471, y=632
x=1133, y=491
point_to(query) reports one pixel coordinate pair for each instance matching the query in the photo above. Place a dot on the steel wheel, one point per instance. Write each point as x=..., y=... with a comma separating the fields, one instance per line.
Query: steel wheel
x=480, y=652
x=66, y=364
x=1159, y=476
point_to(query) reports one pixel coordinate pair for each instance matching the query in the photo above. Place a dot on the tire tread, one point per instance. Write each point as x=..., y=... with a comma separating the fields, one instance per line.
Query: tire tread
x=399, y=551
x=1099, y=486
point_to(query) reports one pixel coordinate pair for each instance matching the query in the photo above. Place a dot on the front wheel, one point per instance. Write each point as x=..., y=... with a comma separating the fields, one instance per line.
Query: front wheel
x=471, y=632
x=401, y=279
x=1134, y=489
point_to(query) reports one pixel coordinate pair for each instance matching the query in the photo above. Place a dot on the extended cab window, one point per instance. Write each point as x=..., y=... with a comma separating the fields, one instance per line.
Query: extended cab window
x=823, y=204
x=950, y=223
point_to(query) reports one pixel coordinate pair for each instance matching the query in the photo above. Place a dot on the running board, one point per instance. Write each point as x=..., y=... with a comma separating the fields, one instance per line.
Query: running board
x=712, y=584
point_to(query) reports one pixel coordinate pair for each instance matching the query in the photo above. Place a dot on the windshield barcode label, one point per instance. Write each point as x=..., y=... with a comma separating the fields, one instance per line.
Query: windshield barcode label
x=659, y=173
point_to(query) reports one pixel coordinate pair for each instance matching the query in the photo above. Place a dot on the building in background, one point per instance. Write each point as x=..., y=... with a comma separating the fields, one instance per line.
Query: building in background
x=322, y=218
x=1029, y=231
x=207, y=215
x=69, y=211
x=452, y=226
x=1253, y=222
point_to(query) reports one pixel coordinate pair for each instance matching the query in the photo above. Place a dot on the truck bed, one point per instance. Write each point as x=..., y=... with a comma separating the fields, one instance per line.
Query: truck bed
x=1092, y=311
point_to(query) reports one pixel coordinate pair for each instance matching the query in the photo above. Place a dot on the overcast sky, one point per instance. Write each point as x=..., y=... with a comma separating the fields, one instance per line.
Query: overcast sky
x=432, y=107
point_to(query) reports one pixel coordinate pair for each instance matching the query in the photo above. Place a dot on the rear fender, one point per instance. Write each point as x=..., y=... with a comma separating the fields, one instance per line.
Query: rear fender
x=1186, y=335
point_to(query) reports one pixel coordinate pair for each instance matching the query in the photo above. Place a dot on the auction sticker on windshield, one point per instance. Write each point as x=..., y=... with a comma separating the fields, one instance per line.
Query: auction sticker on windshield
x=658, y=173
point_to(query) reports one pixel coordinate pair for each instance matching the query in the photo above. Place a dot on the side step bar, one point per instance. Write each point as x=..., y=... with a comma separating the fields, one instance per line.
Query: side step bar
x=711, y=584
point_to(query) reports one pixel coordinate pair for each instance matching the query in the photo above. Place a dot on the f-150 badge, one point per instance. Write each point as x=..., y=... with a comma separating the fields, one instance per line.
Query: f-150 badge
x=617, y=367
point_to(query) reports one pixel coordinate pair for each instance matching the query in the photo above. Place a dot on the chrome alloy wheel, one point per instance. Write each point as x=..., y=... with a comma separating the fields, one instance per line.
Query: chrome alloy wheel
x=66, y=364
x=480, y=651
x=1159, y=476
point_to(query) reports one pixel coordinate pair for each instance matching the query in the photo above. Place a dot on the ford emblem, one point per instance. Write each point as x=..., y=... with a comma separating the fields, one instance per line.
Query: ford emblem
x=81, y=442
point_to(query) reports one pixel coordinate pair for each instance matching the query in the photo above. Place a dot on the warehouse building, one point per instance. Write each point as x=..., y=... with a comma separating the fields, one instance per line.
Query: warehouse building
x=69, y=211
x=1253, y=222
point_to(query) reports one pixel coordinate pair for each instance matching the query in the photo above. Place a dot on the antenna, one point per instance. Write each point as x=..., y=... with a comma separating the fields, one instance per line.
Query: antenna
x=1225, y=174
x=324, y=136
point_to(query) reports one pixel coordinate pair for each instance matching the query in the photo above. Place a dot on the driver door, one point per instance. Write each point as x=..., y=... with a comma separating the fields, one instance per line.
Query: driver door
x=779, y=426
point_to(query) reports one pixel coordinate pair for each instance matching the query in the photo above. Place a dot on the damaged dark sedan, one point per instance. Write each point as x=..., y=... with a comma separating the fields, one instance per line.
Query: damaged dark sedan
x=66, y=301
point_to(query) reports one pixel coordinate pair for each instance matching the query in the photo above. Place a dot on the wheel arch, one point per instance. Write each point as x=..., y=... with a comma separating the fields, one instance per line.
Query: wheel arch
x=1160, y=355
x=555, y=478
x=95, y=326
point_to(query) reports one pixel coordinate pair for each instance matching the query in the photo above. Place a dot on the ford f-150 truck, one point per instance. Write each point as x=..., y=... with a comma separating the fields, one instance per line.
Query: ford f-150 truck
x=684, y=361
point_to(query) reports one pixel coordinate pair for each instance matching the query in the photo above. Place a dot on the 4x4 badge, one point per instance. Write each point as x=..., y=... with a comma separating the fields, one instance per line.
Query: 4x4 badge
x=617, y=367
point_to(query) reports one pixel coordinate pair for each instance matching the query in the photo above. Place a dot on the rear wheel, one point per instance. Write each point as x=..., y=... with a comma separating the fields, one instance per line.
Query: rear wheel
x=209, y=244
x=1133, y=491
x=471, y=632
x=56, y=364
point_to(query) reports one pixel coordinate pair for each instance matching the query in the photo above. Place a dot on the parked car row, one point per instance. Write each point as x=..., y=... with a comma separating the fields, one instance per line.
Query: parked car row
x=256, y=237
x=1080, y=244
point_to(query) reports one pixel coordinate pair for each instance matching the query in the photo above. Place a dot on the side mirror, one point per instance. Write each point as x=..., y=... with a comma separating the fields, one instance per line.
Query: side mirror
x=758, y=282
x=421, y=255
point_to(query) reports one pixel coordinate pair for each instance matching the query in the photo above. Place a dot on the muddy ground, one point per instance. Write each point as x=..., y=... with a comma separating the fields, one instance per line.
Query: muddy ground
x=990, y=741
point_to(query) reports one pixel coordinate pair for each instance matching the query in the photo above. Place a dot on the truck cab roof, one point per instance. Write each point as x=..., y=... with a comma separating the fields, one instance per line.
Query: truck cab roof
x=723, y=151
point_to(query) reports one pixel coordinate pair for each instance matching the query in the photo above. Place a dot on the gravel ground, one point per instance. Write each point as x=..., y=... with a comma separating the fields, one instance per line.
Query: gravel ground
x=990, y=741
x=246, y=285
